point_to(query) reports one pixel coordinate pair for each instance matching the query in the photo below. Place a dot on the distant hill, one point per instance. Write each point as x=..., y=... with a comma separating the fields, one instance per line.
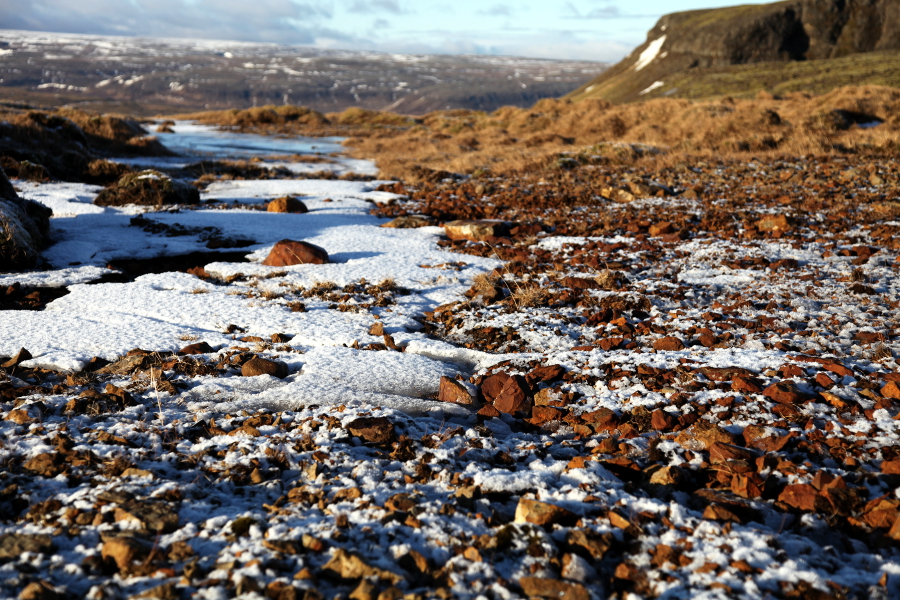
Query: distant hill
x=796, y=45
x=145, y=76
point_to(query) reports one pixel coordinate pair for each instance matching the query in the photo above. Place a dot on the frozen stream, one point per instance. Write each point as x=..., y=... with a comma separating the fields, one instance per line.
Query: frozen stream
x=164, y=311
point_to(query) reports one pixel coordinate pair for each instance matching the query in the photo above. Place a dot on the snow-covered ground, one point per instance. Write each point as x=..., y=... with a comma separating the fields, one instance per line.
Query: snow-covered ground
x=652, y=464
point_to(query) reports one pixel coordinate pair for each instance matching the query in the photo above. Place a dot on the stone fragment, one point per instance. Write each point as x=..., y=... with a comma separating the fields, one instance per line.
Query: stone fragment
x=198, y=348
x=784, y=393
x=747, y=385
x=286, y=204
x=720, y=453
x=349, y=565
x=661, y=420
x=725, y=373
x=891, y=390
x=543, y=513
x=668, y=344
x=19, y=417
x=47, y=464
x=891, y=467
x=20, y=357
x=291, y=547
x=773, y=223
x=374, y=430
x=538, y=587
x=703, y=435
x=506, y=392
x=154, y=516
x=545, y=374
x=12, y=545
x=661, y=228
x=124, y=551
x=670, y=475
x=289, y=252
x=410, y=222
x=587, y=542
x=263, y=366
x=39, y=590
x=488, y=412
x=456, y=392
x=717, y=512
x=476, y=230
x=541, y=415
x=801, y=496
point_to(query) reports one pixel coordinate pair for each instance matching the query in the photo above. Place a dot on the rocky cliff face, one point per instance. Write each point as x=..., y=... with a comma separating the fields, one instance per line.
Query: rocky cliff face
x=794, y=30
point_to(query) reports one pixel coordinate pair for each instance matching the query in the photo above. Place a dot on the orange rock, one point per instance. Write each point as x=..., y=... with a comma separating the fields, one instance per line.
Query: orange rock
x=289, y=252
x=801, y=496
x=891, y=467
x=891, y=390
x=506, y=392
x=544, y=414
x=453, y=391
x=719, y=453
x=287, y=204
x=747, y=385
x=661, y=420
x=668, y=344
x=542, y=513
x=475, y=230
x=784, y=393
x=661, y=228
x=773, y=223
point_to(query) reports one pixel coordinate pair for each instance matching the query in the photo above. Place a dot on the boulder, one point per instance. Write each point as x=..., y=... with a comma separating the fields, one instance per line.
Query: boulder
x=287, y=204
x=24, y=228
x=508, y=393
x=289, y=252
x=456, y=392
x=147, y=188
x=409, y=222
x=262, y=366
x=476, y=230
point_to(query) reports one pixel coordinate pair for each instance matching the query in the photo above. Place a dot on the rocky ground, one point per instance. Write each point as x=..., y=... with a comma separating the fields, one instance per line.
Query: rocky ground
x=676, y=382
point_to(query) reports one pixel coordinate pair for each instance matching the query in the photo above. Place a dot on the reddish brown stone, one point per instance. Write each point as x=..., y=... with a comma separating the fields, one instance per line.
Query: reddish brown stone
x=375, y=430
x=773, y=223
x=668, y=344
x=544, y=414
x=747, y=385
x=289, y=252
x=488, y=411
x=891, y=467
x=801, y=496
x=453, y=391
x=506, y=392
x=660, y=420
x=542, y=513
x=785, y=393
x=546, y=374
x=198, y=348
x=891, y=390
x=601, y=419
x=538, y=587
x=286, y=204
x=719, y=452
x=661, y=228
x=725, y=373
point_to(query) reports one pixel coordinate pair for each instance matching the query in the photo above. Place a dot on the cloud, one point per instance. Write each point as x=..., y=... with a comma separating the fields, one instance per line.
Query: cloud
x=497, y=10
x=376, y=6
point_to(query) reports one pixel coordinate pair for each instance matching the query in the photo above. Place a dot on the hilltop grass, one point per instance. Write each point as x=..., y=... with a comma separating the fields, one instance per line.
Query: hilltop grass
x=779, y=78
x=560, y=133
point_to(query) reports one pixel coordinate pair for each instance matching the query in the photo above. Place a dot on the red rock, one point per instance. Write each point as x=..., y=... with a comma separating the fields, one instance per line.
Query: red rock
x=453, y=391
x=375, y=430
x=488, y=411
x=891, y=390
x=286, y=204
x=476, y=230
x=601, y=419
x=773, y=223
x=660, y=420
x=717, y=512
x=719, y=453
x=824, y=380
x=785, y=393
x=542, y=513
x=891, y=467
x=262, y=366
x=544, y=414
x=801, y=496
x=668, y=344
x=725, y=373
x=660, y=228
x=747, y=385
x=703, y=435
x=198, y=348
x=538, y=587
x=747, y=486
x=670, y=475
x=289, y=252
x=546, y=374
x=506, y=392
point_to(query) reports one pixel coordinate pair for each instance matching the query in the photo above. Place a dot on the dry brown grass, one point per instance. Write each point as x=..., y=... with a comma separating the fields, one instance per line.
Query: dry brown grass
x=561, y=133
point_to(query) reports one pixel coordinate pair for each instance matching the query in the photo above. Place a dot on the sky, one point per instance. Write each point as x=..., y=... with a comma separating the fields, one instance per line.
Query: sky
x=602, y=30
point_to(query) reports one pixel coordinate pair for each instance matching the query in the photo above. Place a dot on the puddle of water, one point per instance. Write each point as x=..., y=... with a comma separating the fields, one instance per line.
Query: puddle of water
x=203, y=141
